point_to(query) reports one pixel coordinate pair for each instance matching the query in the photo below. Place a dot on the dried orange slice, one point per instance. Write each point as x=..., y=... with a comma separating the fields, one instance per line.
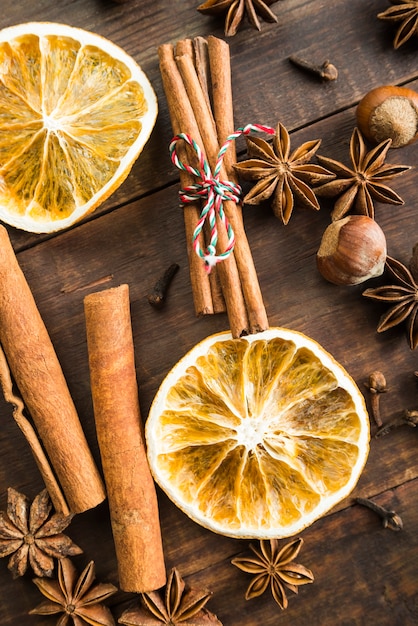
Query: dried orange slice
x=75, y=113
x=258, y=436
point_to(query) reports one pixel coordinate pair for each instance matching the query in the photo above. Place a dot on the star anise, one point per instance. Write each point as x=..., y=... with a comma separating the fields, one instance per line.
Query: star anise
x=406, y=12
x=76, y=597
x=359, y=187
x=236, y=10
x=281, y=175
x=32, y=536
x=401, y=296
x=181, y=605
x=273, y=566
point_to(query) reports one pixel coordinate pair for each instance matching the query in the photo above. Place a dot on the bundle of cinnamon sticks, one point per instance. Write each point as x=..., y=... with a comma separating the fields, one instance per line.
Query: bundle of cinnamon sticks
x=196, y=76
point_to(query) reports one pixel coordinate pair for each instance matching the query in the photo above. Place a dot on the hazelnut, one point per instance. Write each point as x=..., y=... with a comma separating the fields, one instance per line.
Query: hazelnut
x=352, y=250
x=389, y=112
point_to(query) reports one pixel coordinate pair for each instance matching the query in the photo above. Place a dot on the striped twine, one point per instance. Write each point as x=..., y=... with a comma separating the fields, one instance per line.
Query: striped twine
x=213, y=190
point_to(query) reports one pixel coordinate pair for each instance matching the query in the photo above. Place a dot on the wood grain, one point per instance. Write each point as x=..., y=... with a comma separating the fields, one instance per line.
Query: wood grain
x=364, y=574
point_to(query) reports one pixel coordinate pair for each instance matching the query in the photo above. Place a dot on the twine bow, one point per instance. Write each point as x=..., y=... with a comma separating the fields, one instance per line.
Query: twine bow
x=214, y=190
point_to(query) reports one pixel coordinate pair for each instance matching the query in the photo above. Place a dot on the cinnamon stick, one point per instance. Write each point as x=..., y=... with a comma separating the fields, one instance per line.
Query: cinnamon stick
x=131, y=490
x=197, y=50
x=223, y=107
x=178, y=102
x=199, y=279
x=220, y=69
x=38, y=375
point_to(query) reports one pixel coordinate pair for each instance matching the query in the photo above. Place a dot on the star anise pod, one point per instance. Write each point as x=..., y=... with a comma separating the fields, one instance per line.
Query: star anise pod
x=405, y=12
x=180, y=605
x=31, y=535
x=359, y=187
x=273, y=566
x=236, y=10
x=402, y=296
x=281, y=175
x=75, y=596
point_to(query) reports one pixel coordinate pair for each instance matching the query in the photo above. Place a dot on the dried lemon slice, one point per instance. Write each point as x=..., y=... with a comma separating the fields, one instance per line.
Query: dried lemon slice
x=75, y=113
x=258, y=436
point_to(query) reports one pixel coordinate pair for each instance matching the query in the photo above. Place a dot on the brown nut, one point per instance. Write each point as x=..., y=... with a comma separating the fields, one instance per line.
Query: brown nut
x=389, y=112
x=352, y=250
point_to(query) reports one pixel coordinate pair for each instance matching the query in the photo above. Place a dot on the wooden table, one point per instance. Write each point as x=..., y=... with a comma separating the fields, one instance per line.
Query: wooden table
x=364, y=574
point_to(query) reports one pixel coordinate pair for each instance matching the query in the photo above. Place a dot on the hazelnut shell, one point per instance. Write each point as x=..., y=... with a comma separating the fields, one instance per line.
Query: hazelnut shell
x=389, y=112
x=352, y=250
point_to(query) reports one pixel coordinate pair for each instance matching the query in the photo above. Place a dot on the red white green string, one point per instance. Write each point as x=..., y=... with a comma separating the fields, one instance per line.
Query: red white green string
x=213, y=190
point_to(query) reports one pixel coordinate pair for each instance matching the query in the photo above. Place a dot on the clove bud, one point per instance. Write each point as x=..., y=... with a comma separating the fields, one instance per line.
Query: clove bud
x=326, y=71
x=390, y=519
x=376, y=385
x=406, y=418
x=158, y=295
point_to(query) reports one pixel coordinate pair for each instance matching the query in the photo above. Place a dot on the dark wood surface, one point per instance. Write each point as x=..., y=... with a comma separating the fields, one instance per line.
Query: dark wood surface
x=364, y=574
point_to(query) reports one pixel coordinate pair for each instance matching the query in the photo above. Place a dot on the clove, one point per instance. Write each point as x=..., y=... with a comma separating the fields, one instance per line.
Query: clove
x=411, y=417
x=390, y=519
x=406, y=418
x=376, y=385
x=325, y=72
x=158, y=295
